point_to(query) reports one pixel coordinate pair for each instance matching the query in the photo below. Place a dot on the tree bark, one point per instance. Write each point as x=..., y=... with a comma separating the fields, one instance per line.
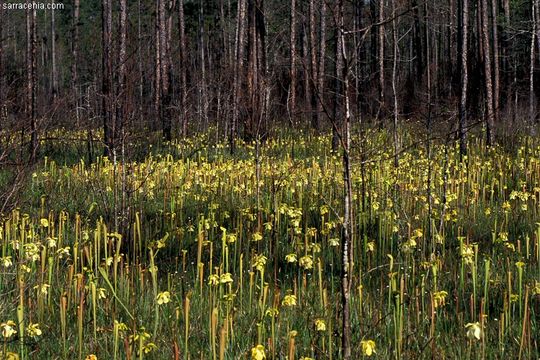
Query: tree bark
x=382, y=90
x=338, y=89
x=106, y=84
x=464, y=77
x=122, y=76
x=321, y=70
x=346, y=254
x=313, y=78
x=75, y=57
x=292, y=86
x=490, y=119
x=238, y=73
x=532, y=98
x=31, y=80
x=54, y=70
x=164, y=71
x=496, y=71
x=183, y=67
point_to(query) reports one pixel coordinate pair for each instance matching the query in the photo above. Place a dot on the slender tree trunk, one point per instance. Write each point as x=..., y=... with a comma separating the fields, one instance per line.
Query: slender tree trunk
x=490, y=120
x=31, y=80
x=532, y=98
x=292, y=87
x=496, y=62
x=2, y=71
x=394, y=84
x=183, y=67
x=321, y=70
x=203, y=86
x=157, y=70
x=106, y=84
x=313, y=65
x=464, y=77
x=75, y=57
x=346, y=254
x=338, y=89
x=239, y=72
x=54, y=75
x=382, y=90
x=164, y=71
x=122, y=76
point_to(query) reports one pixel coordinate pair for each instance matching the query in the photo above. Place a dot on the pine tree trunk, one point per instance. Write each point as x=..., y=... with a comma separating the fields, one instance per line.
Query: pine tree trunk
x=496, y=71
x=54, y=70
x=321, y=70
x=31, y=80
x=464, y=77
x=313, y=65
x=292, y=86
x=490, y=119
x=75, y=57
x=183, y=67
x=106, y=84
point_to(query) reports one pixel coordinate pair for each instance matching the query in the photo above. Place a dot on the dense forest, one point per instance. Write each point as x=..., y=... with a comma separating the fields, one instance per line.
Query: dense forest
x=247, y=67
x=286, y=179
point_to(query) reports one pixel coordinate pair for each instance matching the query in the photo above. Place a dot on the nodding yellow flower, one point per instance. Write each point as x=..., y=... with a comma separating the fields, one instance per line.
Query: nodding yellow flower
x=149, y=347
x=306, y=358
x=506, y=206
x=259, y=261
x=11, y=356
x=368, y=347
x=536, y=288
x=291, y=258
x=333, y=242
x=289, y=300
x=257, y=353
x=272, y=312
x=213, y=280
x=520, y=264
x=51, y=242
x=306, y=262
x=256, y=237
x=6, y=261
x=44, y=223
x=8, y=329
x=226, y=278
x=163, y=297
x=320, y=325
x=474, y=331
x=33, y=330
x=42, y=289
x=439, y=298
x=371, y=246
x=91, y=357
x=101, y=293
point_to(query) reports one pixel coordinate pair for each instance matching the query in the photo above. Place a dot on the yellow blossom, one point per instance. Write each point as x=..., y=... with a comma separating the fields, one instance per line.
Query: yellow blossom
x=474, y=331
x=368, y=347
x=163, y=297
x=320, y=325
x=257, y=353
x=8, y=329
x=289, y=300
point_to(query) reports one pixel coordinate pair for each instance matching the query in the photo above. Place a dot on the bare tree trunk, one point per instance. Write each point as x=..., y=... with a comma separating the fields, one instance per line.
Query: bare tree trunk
x=122, y=76
x=313, y=65
x=2, y=71
x=164, y=71
x=488, y=77
x=157, y=70
x=203, y=96
x=321, y=70
x=394, y=84
x=338, y=89
x=346, y=254
x=496, y=72
x=106, y=85
x=532, y=98
x=464, y=78
x=238, y=73
x=31, y=80
x=292, y=87
x=382, y=105
x=75, y=57
x=54, y=75
x=183, y=67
